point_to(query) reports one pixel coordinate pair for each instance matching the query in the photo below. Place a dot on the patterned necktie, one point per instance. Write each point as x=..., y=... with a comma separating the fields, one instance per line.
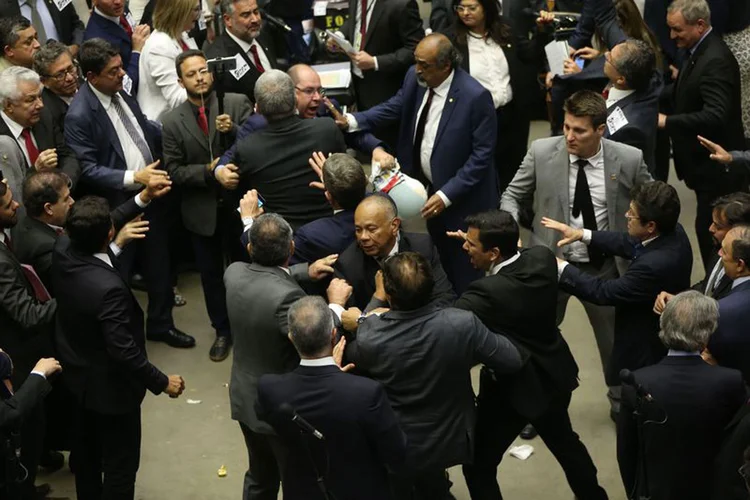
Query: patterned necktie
x=126, y=26
x=137, y=138
x=202, y=120
x=30, y=147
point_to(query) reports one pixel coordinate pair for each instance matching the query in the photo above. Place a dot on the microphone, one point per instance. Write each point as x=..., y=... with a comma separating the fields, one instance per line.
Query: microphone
x=286, y=410
x=628, y=378
x=275, y=21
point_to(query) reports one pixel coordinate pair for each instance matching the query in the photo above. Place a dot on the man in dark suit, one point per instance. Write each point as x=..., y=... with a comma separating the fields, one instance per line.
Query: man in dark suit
x=734, y=457
x=112, y=21
x=194, y=136
x=705, y=101
x=447, y=144
x=274, y=161
x=422, y=353
x=59, y=74
x=27, y=314
x=25, y=120
x=244, y=40
x=661, y=258
x=100, y=340
x=18, y=42
x=362, y=435
x=259, y=296
x=117, y=147
x=540, y=393
x=50, y=22
x=377, y=229
x=690, y=404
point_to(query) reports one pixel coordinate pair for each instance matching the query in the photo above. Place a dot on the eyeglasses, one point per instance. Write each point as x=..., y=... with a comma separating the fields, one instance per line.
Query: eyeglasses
x=311, y=91
x=61, y=75
x=466, y=8
x=631, y=216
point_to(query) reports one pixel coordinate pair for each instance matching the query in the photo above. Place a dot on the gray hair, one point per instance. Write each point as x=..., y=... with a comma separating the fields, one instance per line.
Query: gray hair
x=270, y=239
x=688, y=321
x=48, y=54
x=9, y=80
x=10, y=27
x=274, y=95
x=345, y=180
x=310, y=326
x=636, y=63
x=227, y=6
x=692, y=10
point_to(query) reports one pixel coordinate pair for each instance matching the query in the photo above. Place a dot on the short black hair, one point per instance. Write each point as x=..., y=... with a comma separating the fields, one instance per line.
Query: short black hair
x=587, y=103
x=408, y=281
x=345, y=180
x=95, y=54
x=183, y=56
x=88, y=224
x=735, y=208
x=636, y=63
x=497, y=228
x=657, y=202
x=41, y=188
x=9, y=28
x=270, y=236
x=383, y=200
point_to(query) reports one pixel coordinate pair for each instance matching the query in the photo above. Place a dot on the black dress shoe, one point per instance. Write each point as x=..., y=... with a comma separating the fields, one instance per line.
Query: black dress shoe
x=52, y=461
x=173, y=337
x=220, y=350
x=528, y=432
x=42, y=490
x=138, y=282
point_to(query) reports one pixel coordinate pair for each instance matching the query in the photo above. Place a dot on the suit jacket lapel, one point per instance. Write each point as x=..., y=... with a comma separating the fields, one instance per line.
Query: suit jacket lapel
x=418, y=102
x=561, y=158
x=191, y=124
x=377, y=11
x=43, y=136
x=611, y=173
x=451, y=101
x=213, y=112
x=100, y=114
x=4, y=130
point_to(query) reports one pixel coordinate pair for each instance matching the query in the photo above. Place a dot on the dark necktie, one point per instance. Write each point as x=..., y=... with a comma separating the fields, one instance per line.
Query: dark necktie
x=30, y=147
x=126, y=26
x=256, y=58
x=202, y=120
x=583, y=205
x=638, y=250
x=418, y=136
x=363, y=24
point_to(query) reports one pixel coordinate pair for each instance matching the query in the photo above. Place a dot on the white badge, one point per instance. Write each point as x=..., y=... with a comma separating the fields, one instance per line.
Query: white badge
x=319, y=8
x=127, y=84
x=130, y=20
x=201, y=23
x=61, y=4
x=242, y=67
x=616, y=120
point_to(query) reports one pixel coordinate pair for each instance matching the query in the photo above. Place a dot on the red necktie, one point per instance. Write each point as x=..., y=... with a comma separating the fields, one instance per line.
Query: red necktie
x=202, y=120
x=30, y=147
x=363, y=24
x=126, y=26
x=258, y=65
x=605, y=92
x=183, y=45
x=40, y=291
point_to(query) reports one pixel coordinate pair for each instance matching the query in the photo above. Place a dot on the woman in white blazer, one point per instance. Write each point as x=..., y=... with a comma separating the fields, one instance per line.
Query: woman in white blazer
x=158, y=88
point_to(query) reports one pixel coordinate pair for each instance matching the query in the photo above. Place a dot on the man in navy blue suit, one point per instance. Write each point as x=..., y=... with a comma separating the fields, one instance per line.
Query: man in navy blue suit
x=112, y=21
x=119, y=149
x=446, y=140
x=661, y=259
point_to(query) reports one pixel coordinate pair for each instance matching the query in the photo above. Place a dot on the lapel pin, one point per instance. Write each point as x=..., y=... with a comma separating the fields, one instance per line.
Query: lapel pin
x=450, y=100
x=5, y=157
x=613, y=177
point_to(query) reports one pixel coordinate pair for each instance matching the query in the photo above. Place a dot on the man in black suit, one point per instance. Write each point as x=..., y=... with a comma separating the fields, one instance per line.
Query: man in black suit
x=101, y=341
x=422, y=353
x=26, y=314
x=690, y=404
x=59, y=74
x=18, y=42
x=705, y=101
x=660, y=258
x=50, y=22
x=25, y=120
x=362, y=435
x=244, y=40
x=540, y=393
x=274, y=161
x=194, y=137
x=377, y=229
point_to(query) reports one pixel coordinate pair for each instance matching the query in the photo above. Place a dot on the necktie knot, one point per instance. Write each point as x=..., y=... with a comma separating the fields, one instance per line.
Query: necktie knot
x=126, y=25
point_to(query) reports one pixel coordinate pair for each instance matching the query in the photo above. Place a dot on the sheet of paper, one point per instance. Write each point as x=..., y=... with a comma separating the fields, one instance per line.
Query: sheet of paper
x=616, y=120
x=334, y=75
x=127, y=84
x=342, y=42
x=319, y=8
x=242, y=67
x=557, y=53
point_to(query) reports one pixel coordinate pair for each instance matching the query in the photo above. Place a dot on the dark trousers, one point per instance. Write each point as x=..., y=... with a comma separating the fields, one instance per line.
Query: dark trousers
x=32, y=444
x=424, y=485
x=209, y=258
x=498, y=424
x=108, y=449
x=512, y=140
x=265, y=454
x=153, y=255
x=660, y=171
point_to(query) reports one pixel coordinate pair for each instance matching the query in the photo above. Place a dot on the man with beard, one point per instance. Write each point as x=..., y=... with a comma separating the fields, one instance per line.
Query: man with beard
x=193, y=138
x=59, y=74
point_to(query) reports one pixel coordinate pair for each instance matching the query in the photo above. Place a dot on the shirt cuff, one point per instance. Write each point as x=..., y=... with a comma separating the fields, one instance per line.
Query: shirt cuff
x=445, y=199
x=586, y=239
x=140, y=202
x=36, y=372
x=247, y=223
x=560, y=268
x=129, y=178
x=353, y=125
x=337, y=310
x=218, y=167
x=116, y=251
x=377, y=68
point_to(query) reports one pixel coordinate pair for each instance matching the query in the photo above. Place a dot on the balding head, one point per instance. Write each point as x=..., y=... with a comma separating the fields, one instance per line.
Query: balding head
x=435, y=58
x=307, y=89
x=376, y=225
x=735, y=252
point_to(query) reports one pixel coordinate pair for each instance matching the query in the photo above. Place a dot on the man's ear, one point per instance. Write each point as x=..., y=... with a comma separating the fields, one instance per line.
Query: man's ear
x=600, y=130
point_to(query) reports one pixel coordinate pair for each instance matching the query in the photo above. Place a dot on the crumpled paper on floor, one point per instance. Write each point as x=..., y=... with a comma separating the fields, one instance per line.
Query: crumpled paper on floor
x=521, y=452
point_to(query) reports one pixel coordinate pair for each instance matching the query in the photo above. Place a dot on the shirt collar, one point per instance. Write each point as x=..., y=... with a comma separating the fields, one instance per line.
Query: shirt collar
x=394, y=250
x=695, y=47
x=327, y=361
x=616, y=94
x=56, y=228
x=286, y=270
x=338, y=211
x=675, y=352
x=3, y=237
x=103, y=98
x=738, y=281
x=646, y=242
x=496, y=268
x=242, y=43
x=592, y=160
x=14, y=126
x=104, y=258
x=115, y=20
x=443, y=88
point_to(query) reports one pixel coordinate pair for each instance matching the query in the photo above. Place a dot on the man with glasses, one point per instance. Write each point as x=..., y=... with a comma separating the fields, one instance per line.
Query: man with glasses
x=60, y=75
x=25, y=119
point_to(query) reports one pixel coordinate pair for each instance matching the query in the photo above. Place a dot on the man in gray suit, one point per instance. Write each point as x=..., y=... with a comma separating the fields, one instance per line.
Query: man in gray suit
x=194, y=138
x=12, y=164
x=422, y=353
x=584, y=180
x=259, y=296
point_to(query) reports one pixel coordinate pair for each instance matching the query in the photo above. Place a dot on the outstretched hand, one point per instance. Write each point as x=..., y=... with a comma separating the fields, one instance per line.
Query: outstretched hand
x=569, y=234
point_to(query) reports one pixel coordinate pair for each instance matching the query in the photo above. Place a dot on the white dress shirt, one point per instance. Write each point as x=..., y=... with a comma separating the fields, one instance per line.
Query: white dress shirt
x=44, y=15
x=264, y=61
x=16, y=129
x=496, y=268
x=616, y=95
x=577, y=252
x=713, y=279
x=358, y=24
x=327, y=361
x=133, y=157
x=488, y=66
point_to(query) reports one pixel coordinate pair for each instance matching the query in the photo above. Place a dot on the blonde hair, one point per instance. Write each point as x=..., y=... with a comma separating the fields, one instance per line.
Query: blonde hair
x=170, y=16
